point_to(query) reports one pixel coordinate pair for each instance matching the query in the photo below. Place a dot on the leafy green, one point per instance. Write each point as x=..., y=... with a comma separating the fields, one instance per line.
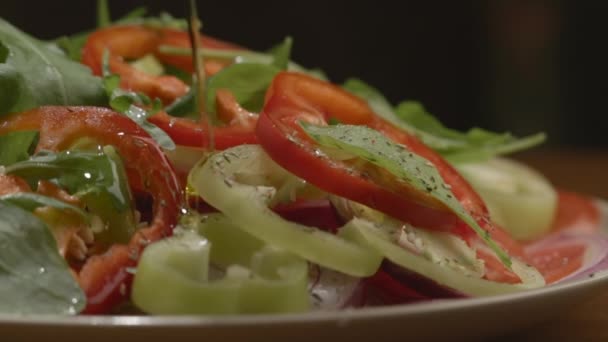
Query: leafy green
x=30, y=201
x=281, y=53
x=34, y=278
x=247, y=82
x=130, y=104
x=474, y=145
x=34, y=73
x=79, y=172
x=149, y=65
x=374, y=147
x=164, y=20
x=98, y=178
x=17, y=146
x=184, y=106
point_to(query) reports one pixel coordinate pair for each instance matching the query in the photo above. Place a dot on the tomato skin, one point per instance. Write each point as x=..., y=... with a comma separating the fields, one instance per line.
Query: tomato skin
x=190, y=133
x=576, y=212
x=303, y=162
x=133, y=41
x=294, y=97
x=576, y=216
x=104, y=278
x=10, y=184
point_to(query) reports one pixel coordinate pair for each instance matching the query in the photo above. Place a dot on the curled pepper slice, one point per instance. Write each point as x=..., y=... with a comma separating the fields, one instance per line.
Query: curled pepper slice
x=173, y=274
x=133, y=41
x=104, y=277
x=295, y=97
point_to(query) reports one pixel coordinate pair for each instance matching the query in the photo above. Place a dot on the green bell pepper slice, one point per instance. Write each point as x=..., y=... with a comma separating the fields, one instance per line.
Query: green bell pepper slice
x=174, y=275
x=242, y=180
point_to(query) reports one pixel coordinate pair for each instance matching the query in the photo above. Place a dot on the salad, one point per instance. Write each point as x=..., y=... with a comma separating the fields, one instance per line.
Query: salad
x=146, y=167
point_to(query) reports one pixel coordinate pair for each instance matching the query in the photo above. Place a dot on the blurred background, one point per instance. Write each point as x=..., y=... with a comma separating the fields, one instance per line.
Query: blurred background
x=521, y=65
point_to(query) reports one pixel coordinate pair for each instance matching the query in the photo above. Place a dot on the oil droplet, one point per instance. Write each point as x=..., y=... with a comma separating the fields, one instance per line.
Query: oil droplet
x=172, y=122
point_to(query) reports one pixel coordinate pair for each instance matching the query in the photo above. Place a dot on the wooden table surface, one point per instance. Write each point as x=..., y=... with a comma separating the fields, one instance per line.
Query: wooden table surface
x=584, y=171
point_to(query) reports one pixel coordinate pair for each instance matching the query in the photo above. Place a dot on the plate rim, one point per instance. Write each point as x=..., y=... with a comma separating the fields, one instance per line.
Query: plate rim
x=342, y=315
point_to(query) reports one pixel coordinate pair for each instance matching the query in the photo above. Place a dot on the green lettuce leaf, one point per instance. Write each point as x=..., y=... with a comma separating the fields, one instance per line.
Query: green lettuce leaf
x=282, y=53
x=34, y=278
x=98, y=178
x=248, y=83
x=34, y=73
x=17, y=146
x=457, y=147
x=31, y=201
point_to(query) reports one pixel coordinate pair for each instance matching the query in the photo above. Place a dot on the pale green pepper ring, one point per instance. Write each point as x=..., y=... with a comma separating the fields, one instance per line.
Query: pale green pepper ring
x=173, y=277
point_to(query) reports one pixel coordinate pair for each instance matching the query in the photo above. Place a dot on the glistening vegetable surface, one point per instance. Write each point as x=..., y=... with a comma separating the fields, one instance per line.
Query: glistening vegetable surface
x=244, y=183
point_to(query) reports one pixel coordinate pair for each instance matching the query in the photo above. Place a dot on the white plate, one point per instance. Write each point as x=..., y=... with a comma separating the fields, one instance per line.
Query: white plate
x=456, y=319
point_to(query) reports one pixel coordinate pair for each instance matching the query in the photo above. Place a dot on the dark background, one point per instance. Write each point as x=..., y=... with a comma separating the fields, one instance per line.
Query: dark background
x=520, y=65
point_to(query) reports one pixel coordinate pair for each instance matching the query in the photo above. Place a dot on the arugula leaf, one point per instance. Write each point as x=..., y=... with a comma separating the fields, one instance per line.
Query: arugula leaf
x=17, y=146
x=474, y=145
x=34, y=278
x=80, y=173
x=281, y=53
x=30, y=201
x=247, y=81
x=34, y=73
x=129, y=103
x=98, y=178
x=184, y=106
x=375, y=148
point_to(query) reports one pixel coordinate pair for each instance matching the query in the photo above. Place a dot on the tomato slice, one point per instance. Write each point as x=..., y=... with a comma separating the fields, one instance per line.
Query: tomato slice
x=133, y=41
x=105, y=278
x=576, y=215
x=10, y=184
x=191, y=133
x=558, y=261
x=294, y=97
x=576, y=212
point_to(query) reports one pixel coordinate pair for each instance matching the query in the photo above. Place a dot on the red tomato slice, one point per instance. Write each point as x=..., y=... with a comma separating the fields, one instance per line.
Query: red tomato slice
x=558, y=258
x=132, y=41
x=104, y=278
x=10, y=184
x=576, y=212
x=558, y=261
x=296, y=97
x=191, y=133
